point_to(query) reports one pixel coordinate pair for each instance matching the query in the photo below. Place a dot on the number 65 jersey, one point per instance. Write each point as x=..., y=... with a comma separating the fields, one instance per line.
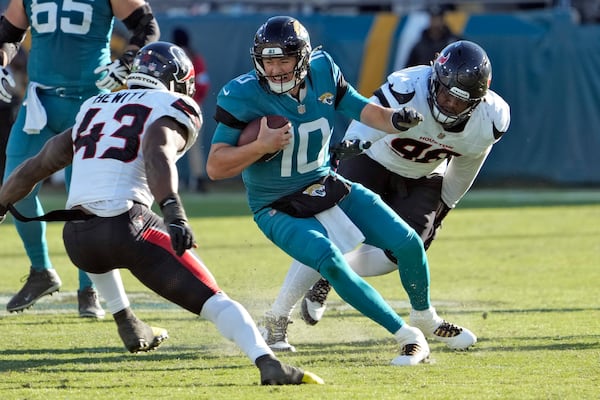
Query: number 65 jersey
x=108, y=162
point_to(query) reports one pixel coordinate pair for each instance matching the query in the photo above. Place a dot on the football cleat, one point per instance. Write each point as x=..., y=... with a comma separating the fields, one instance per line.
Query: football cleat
x=89, y=305
x=455, y=337
x=38, y=285
x=138, y=336
x=274, y=330
x=413, y=346
x=273, y=372
x=314, y=304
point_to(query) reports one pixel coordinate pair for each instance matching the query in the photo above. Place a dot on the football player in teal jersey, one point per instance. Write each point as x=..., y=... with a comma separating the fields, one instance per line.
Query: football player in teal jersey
x=69, y=61
x=422, y=174
x=298, y=200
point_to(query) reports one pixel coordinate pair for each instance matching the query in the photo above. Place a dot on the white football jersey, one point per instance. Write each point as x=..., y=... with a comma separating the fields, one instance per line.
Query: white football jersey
x=108, y=163
x=427, y=147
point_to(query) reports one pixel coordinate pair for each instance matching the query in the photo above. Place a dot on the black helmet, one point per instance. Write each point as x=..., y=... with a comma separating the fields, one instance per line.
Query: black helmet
x=278, y=37
x=464, y=70
x=162, y=65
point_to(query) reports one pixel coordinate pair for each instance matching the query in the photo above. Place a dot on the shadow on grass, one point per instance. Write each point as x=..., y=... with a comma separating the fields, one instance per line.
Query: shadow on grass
x=105, y=359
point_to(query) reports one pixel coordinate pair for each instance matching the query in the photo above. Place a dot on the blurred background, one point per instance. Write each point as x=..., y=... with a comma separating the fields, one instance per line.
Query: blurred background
x=545, y=57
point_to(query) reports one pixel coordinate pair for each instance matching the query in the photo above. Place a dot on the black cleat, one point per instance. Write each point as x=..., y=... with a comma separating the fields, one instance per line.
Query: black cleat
x=89, y=305
x=273, y=372
x=38, y=285
x=136, y=334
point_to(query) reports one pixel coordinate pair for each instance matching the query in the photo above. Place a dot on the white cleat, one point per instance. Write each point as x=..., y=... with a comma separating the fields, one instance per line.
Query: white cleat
x=274, y=330
x=456, y=337
x=314, y=304
x=413, y=346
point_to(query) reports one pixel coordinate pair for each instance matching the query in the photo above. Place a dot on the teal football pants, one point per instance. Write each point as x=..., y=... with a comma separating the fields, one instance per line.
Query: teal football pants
x=61, y=112
x=305, y=240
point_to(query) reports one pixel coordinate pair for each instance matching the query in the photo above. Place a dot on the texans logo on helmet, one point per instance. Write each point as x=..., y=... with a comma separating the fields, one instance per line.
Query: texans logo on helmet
x=442, y=59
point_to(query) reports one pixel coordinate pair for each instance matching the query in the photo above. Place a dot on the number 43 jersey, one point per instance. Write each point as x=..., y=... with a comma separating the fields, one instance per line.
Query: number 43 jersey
x=108, y=161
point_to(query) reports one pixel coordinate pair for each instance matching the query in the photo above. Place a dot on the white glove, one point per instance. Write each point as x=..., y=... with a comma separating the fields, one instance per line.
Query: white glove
x=7, y=85
x=116, y=75
x=116, y=72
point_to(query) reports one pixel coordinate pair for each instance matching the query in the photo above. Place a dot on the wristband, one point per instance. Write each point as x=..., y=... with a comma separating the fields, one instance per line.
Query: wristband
x=172, y=209
x=170, y=199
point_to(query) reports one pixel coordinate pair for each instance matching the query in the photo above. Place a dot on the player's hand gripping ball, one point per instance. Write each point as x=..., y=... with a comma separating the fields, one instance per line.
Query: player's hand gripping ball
x=250, y=132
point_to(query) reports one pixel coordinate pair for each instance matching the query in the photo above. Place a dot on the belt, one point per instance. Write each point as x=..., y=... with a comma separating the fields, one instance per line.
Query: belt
x=71, y=93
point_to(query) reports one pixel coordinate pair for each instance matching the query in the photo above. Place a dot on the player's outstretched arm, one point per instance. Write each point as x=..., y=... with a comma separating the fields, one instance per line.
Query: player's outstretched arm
x=388, y=119
x=138, y=18
x=56, y=154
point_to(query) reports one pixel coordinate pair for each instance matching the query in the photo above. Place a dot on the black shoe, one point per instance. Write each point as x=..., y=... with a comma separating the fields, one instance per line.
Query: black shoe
x=38, y=285
x=136, y=334
x=273, y=372
x=89, y=305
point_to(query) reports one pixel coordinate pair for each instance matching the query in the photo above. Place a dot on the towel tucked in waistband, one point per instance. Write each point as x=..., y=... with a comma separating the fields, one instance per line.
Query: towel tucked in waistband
x=340, y=229
x=35, y=116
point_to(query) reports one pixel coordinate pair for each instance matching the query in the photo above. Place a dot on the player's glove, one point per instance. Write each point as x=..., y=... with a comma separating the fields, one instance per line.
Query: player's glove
x=406, y=118
x=7, y=85
x=116, y=72
x=3, y=211
x=182, y=237
x=347, y=149
x=440, y=214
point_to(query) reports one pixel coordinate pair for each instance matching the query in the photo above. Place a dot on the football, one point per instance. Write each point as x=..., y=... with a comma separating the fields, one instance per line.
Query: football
x=250, y=132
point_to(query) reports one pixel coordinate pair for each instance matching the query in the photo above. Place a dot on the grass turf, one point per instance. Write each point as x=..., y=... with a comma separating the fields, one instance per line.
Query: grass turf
x=524, y=277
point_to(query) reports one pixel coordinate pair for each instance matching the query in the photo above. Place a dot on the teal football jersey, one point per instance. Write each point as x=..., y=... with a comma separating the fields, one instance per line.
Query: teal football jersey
x=306, y=159
x=70, y=38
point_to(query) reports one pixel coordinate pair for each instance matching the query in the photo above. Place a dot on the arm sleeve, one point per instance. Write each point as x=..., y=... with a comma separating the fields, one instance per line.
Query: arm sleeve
x=460, y=175
x=143, y=26
x=11, y=38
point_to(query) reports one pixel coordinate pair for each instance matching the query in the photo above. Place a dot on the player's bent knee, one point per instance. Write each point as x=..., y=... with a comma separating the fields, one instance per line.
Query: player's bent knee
x=214, y=305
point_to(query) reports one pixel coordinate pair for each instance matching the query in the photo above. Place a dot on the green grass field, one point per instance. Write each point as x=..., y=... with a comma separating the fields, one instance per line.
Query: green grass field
x=522, y=272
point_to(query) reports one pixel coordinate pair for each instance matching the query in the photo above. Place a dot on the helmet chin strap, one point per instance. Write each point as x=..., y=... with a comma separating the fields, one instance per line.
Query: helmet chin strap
x=449, y=121
x=299, y=74
x=282, y=87
x=445, y=120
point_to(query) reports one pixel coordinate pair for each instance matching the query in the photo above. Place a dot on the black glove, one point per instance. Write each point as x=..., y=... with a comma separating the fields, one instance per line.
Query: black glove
x=405, y=118
x=182, y=237
x=347, y=149
x=3, y=211
x=440, y=214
